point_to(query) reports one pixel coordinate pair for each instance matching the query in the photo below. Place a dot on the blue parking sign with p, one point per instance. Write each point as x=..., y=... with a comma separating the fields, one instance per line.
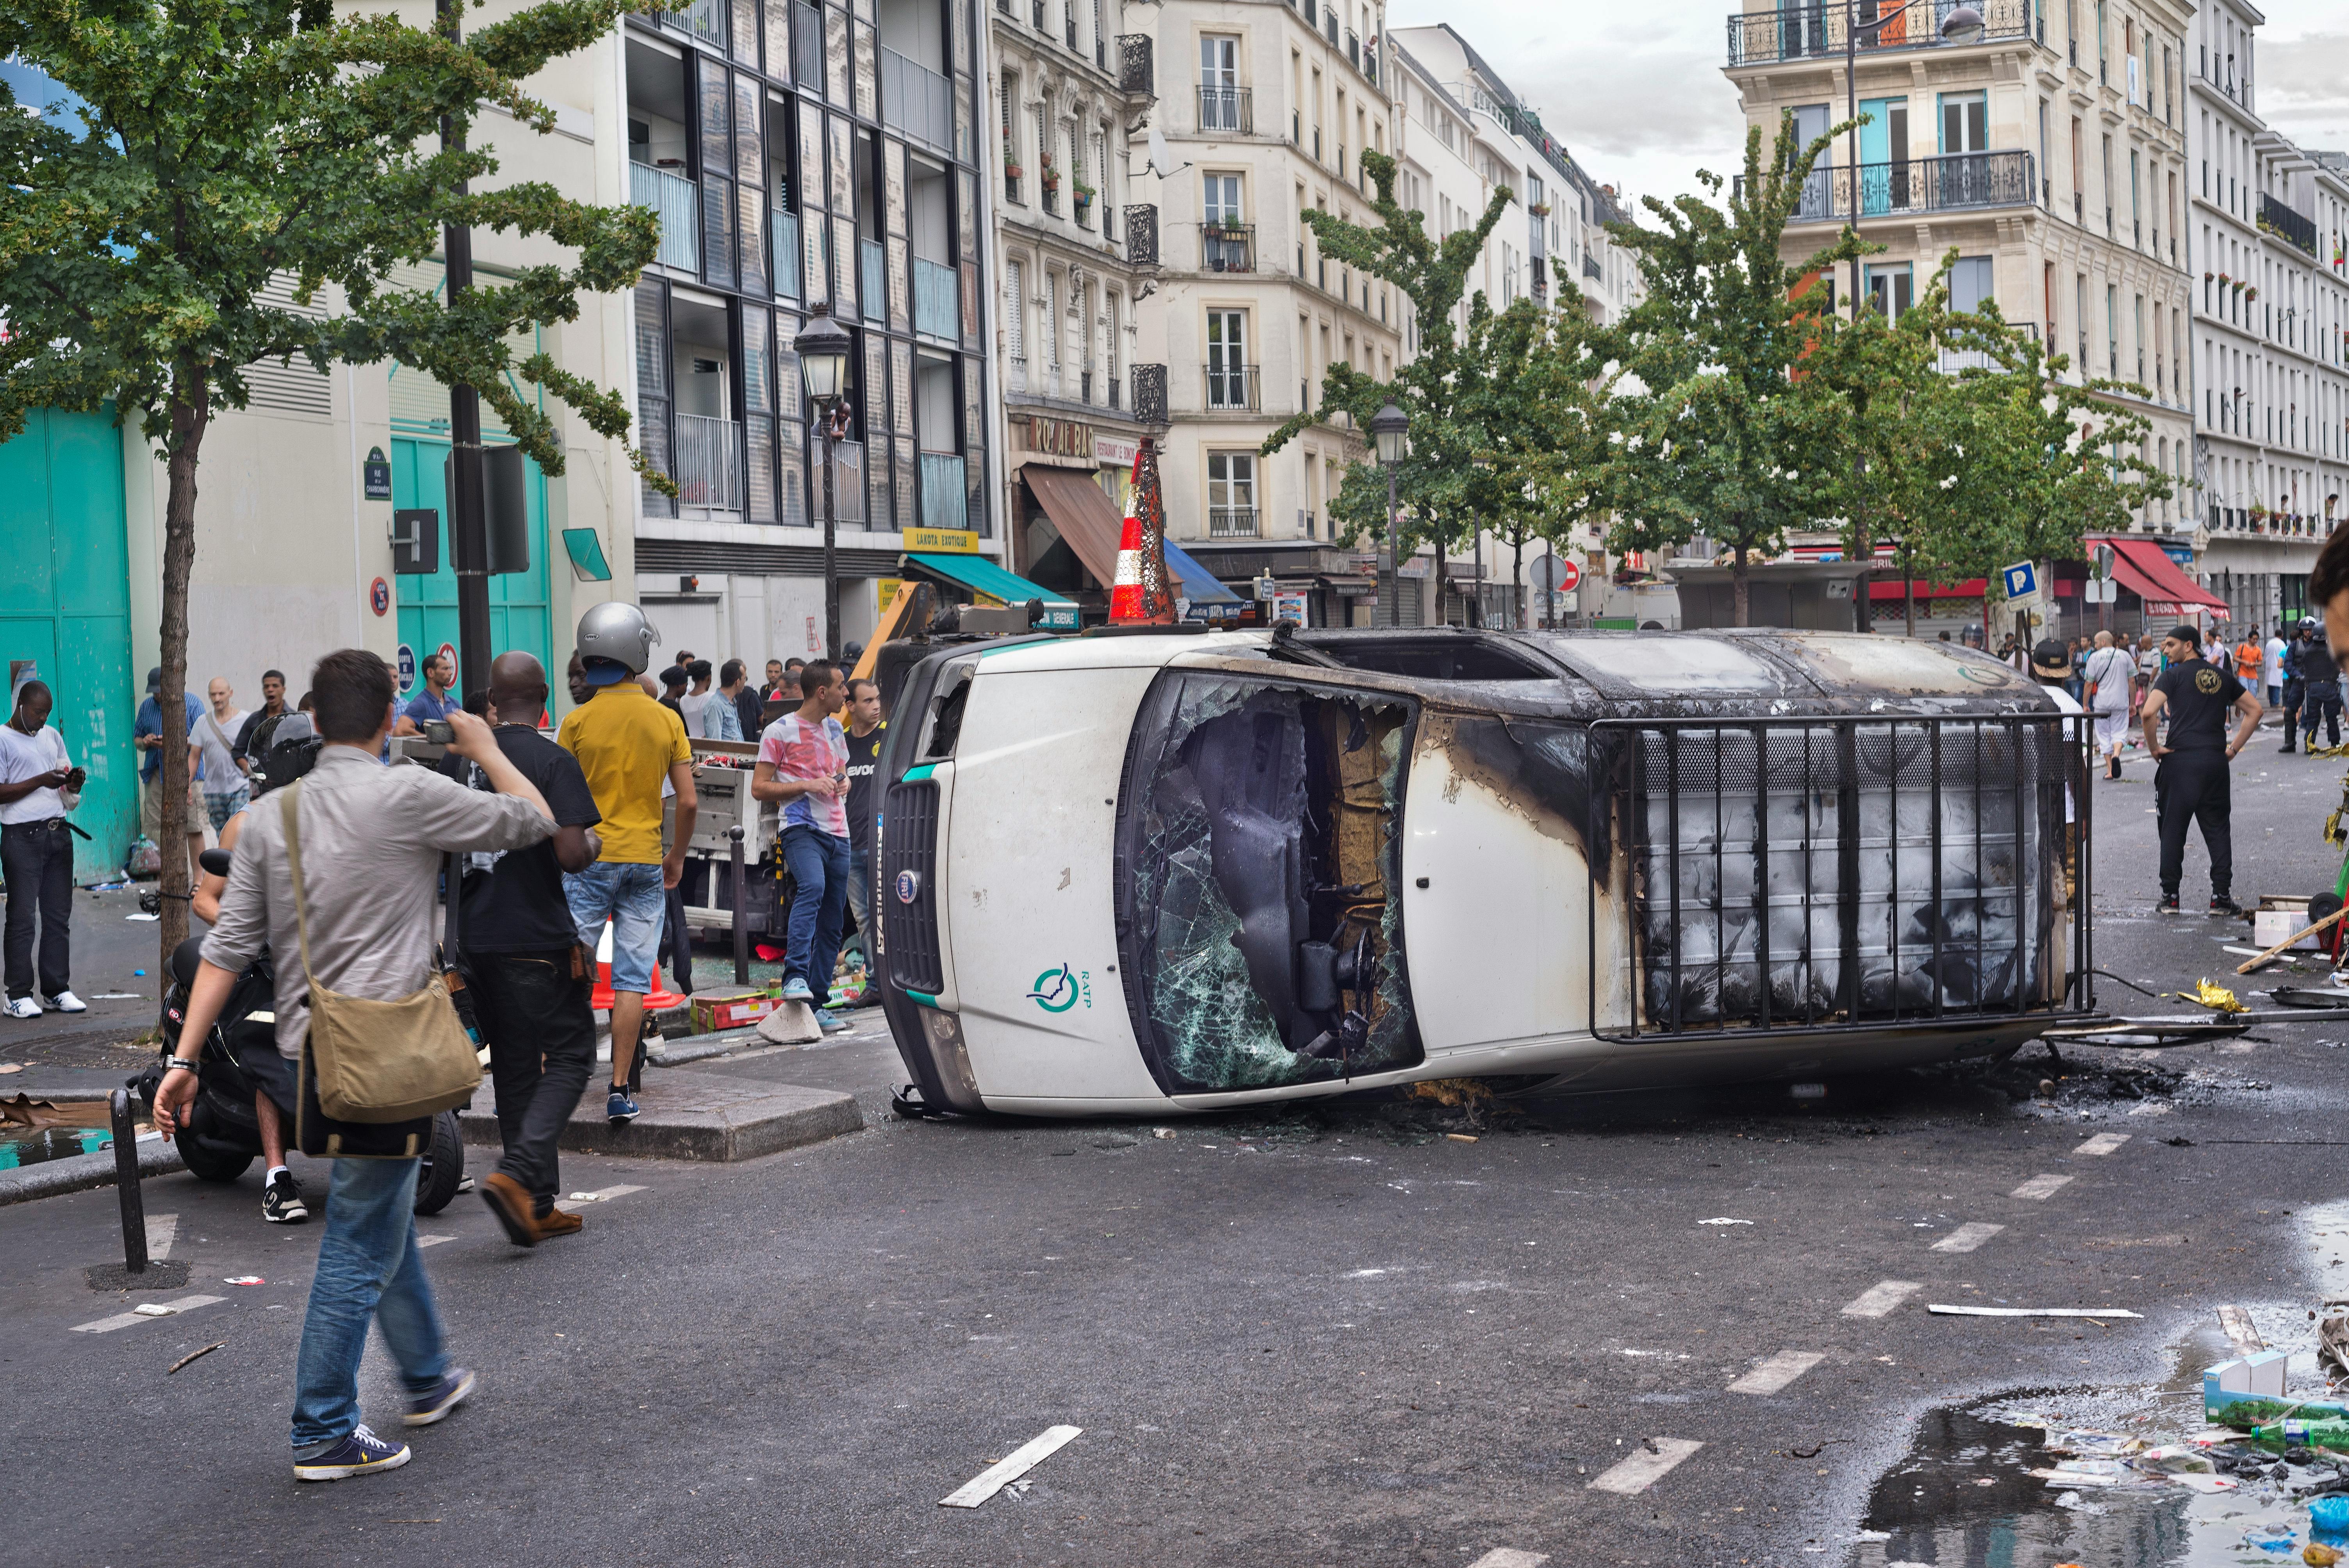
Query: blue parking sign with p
x=2021, y=581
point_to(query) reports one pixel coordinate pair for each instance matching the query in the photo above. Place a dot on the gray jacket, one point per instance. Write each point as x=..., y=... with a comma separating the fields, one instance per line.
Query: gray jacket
x=372, y=838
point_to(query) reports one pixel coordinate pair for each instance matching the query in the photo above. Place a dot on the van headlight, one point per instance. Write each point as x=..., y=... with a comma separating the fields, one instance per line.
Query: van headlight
x=943, y=1034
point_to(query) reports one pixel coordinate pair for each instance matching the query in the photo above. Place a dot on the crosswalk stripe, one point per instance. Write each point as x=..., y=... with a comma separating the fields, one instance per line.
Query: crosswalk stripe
x=1878, y=1300
x=1510, y=1557
x=162, y=1230
x=2041, y=1186
x=1776, y=1372
x=578, y=1200
x=1968, y=1236
x=2103, y=1143
x=125, y=1319
x=1643, y=1470
x=432, y=1241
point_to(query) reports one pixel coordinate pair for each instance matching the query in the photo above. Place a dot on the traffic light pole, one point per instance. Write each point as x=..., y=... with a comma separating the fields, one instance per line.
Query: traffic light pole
x=469, y=543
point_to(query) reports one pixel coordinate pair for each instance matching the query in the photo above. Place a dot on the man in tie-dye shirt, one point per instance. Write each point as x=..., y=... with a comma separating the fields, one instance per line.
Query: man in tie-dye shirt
x=803, y=765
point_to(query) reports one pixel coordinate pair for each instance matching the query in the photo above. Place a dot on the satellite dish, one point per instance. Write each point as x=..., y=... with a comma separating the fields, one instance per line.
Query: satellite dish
x=1162, y=160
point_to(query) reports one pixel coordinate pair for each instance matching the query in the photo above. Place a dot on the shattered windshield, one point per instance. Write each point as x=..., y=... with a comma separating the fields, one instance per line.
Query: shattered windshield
x=1264, y=926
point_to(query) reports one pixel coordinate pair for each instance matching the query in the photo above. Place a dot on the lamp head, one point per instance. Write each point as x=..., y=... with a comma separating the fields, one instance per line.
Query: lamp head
x=1963, y=25
x=1389, y=426
x=823, y=350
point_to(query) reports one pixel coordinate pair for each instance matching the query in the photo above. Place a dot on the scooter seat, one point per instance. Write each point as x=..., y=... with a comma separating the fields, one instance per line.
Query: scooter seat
x=185, y=959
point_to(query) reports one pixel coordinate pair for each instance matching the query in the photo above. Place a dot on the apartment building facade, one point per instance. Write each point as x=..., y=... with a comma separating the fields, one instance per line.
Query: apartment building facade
x=1266, y=107
x=2049, y=150
x=802, y=154
x=1074, y=248
x=2271, y=304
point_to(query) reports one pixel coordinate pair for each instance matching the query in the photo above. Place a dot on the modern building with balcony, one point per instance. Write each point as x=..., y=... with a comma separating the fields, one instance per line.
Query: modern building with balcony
x=2049, y=151
x=1075, y=246
x=2270, y=388
x=1267, y=107
x=802, y=154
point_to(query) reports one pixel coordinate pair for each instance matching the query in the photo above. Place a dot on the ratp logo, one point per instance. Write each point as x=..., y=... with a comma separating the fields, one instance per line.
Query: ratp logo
x=1056, y=990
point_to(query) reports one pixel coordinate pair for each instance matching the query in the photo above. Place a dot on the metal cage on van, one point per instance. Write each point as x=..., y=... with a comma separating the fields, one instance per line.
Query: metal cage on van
x=1838, y=873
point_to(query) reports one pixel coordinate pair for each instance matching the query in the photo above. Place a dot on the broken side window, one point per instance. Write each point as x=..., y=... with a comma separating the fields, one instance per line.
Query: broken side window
x=1263, y=926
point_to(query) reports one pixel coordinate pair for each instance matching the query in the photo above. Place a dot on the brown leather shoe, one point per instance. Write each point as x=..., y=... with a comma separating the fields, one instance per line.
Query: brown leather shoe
x=512, y=1204
x=555, y=1222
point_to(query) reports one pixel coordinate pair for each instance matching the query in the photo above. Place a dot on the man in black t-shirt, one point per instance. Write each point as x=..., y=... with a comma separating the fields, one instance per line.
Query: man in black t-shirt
x=2189, y=774
x=531, y=980
x=866, y=730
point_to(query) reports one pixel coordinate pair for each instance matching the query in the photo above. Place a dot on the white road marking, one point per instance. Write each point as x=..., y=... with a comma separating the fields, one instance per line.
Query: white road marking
x=2043, y=1186
x=125, y=1319
x=1777, y=1372
x=1644, y=1469
x=573, y=1204
x=432, y=1241
x=162, y=1230
x=1510, y=1557
x=2030, y=1312
x=2103, y=1143
x=1968, y=1236
x=1878, y=1300
x=992, y=1480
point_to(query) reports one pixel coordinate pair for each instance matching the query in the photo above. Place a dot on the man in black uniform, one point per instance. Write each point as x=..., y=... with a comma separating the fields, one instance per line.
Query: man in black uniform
x=530, y=978
x=2320, y=684
x=2189, y=774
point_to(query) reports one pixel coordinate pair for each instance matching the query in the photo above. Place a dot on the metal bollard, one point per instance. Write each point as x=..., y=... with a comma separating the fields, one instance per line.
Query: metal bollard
x=125, y=1184
x=741, y=918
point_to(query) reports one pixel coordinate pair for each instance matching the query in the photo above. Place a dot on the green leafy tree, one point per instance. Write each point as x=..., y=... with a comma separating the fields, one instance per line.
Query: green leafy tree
x=1714, y=432
x=1548, y=379
x=1440, y=489
x=226, y=145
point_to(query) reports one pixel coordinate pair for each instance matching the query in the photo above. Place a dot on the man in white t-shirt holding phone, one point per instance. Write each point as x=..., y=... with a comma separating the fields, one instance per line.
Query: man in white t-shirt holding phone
x=38, y=785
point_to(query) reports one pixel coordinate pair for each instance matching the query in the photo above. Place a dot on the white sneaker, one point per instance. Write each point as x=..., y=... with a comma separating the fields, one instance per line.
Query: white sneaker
x=66, y=1002
x=22, y=1007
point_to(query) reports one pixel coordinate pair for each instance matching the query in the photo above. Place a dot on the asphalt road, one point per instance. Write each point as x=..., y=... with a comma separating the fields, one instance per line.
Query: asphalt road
x=1336, y=1337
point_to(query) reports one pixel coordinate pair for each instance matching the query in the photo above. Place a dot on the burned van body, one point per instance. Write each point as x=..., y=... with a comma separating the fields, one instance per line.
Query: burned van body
x=1143, y=874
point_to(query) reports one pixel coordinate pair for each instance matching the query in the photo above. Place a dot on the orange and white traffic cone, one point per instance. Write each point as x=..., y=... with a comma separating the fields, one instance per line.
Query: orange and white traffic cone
x=1125, y=606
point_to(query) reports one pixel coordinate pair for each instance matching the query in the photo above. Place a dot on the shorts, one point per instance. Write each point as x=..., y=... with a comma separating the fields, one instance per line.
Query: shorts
x=630, y=894
x=150, y=809
x=221, y=807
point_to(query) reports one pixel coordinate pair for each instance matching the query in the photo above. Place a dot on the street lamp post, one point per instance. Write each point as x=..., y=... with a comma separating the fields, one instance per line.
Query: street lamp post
x=823, y=350
x=1389, y=426
x=1963, y=25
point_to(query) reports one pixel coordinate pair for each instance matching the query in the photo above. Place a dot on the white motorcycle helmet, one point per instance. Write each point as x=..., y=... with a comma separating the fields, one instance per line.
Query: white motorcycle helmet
x=614, y=642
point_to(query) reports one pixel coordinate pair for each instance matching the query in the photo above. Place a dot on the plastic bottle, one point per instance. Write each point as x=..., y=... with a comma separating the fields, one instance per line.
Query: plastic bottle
x=2293, y=1434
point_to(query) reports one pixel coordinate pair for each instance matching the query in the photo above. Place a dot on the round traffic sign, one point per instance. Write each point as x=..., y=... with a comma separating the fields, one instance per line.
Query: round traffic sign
x=1555, y=572
x=379, y=596
x=448, y=652
x=405, y=665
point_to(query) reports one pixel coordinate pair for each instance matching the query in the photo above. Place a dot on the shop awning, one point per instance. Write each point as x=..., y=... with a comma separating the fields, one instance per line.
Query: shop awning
x=1210, y=598
x=2139, y=566
x=1084, y=516
x=1971, y=588
x=985, y=578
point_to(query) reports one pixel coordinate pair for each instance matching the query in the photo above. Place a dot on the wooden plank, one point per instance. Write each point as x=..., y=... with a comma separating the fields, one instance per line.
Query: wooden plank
x=996, y=1476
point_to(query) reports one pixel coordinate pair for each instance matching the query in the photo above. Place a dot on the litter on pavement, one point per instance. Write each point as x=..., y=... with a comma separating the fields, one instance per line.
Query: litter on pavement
x=1948, y=1311
x=1002, y=1473
x=1725, y=1222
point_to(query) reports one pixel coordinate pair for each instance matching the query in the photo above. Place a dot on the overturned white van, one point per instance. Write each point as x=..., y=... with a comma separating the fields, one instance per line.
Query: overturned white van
x=1148, y=873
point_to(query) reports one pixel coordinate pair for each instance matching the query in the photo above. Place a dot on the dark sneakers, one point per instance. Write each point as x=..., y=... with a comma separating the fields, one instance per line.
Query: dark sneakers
x=2168, y=904
x=361, y=1453
x=424, y=1409
x=2221, y=903
x=619, y=1107
x=281, y=1201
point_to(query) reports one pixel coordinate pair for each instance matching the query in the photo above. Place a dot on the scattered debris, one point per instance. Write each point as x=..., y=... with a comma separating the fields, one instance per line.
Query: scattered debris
x=245, y=1279
x=2239, y=1333
x=1725, y=1222
x=195, y=1354
x=1002, y=1473
x=2209, y=996
x=1461, y=1137
x=2087, y=1312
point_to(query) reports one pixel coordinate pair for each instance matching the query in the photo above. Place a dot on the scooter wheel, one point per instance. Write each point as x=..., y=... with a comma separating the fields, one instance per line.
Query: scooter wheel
x=443, y=1165
x=210, y=1161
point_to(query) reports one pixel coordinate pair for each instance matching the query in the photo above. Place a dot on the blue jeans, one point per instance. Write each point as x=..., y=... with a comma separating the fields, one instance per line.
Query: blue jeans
x=860, y=899
x=367, y=1268
x=630, y=894
x=818, y=862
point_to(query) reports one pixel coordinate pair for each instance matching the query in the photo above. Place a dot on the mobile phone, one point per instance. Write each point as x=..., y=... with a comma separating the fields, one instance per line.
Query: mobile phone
x=440, y=731
x=75, y=777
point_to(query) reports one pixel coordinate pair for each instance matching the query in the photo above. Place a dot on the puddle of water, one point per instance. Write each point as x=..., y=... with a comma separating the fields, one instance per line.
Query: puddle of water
x=32, y=1145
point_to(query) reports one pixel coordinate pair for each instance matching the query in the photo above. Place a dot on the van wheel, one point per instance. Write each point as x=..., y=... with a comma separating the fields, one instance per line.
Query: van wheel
x=443, y=1166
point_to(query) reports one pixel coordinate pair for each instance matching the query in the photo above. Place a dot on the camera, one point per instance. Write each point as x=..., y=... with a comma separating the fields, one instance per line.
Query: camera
x=440, y=731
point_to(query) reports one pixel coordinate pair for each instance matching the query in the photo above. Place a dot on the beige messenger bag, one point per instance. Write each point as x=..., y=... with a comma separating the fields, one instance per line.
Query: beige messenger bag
x=380, y=1061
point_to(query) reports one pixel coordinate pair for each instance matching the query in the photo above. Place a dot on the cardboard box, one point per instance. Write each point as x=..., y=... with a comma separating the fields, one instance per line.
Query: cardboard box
x=715, y=1011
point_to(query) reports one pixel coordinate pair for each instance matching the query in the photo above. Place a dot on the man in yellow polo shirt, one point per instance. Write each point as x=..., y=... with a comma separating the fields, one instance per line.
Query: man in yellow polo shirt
x=628, y=746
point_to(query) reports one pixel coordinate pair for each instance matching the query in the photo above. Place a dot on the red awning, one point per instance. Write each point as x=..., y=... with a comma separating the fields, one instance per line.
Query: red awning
x=1083, y=514
x=1971, y=588
x=2139, y=566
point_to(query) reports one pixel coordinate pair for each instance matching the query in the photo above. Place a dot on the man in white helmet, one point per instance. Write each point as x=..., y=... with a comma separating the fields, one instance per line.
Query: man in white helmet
x=628, y=746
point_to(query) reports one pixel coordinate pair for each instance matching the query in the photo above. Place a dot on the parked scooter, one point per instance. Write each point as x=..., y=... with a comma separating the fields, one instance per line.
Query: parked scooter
x=222, y=1136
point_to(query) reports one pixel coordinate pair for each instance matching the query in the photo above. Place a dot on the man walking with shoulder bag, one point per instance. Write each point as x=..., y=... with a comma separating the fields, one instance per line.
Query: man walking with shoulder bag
x=338, y=879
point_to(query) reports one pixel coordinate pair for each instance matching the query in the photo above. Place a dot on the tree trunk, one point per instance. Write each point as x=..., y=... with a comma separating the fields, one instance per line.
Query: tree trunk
x=1863, y=552
x=1740, y=589
x=1518, y=587
x=189, y=414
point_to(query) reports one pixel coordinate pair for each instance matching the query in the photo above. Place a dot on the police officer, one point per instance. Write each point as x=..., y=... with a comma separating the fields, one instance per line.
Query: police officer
x=2190, y=776
x=2294, y=637
x=2320, y=684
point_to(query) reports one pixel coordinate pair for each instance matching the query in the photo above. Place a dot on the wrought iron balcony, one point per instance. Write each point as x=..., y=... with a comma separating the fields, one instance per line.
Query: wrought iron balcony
x=1226, y=247
x=676, y=201
x=1958, y=181
x=2287, y=224
x=1231, y=522
x=1811, y=32
x=1231, y=388
x=1150, y=394
x=1227, y=109
x=1142, y=236
x=1137, y=70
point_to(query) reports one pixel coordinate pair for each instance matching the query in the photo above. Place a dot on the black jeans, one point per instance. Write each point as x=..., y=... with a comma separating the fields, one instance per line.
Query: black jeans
x=2192, y=785
x=2320, y=702
x=541, y=1038
x=37, y=860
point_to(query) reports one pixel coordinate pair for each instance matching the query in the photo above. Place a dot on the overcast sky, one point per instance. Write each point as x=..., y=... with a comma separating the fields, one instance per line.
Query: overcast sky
x=1638, y=96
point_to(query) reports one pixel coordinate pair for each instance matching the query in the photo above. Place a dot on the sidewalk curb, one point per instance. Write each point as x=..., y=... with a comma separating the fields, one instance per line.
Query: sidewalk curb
x=80, y=1172
x=693, y=1116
